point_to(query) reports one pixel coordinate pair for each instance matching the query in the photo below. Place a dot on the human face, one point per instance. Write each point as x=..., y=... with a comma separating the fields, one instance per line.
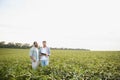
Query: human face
x=44, y=44
x=36, y=44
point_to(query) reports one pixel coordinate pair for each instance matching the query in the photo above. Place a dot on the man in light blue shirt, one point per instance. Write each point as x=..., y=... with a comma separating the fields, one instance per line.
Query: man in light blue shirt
x=34, y=55
x=44, y=54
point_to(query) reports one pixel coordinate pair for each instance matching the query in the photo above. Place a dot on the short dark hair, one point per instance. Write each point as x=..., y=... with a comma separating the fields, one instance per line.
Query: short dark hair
x=44, y=41
x=34, y=42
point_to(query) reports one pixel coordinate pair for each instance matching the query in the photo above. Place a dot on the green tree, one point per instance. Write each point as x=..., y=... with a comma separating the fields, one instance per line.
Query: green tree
x=2, y=44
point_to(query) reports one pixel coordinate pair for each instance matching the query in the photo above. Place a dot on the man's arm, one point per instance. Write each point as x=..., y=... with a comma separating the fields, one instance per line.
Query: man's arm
x=31, y=56
x=49, y=52
x=40, y=52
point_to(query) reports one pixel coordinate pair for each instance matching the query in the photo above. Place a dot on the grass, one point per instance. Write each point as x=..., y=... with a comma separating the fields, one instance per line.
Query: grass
x=64, y=65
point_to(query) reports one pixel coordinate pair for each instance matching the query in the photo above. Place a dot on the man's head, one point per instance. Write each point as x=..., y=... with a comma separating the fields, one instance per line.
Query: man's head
x=44, y=43
x=35, y=44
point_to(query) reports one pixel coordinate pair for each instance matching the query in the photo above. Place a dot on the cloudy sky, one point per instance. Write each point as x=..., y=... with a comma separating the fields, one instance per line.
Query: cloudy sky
x=92, y=24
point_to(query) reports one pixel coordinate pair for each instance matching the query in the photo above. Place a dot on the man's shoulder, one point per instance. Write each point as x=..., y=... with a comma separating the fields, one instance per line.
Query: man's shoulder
x=47, y=47
x=32, y=48
x=44, y=47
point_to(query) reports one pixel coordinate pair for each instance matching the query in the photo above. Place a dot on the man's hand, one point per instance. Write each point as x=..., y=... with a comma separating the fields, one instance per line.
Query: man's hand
x=47, y=55
x=34, y=60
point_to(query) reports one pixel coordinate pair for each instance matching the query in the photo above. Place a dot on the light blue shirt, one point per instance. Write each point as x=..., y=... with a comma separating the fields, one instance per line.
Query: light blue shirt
x=34, y=53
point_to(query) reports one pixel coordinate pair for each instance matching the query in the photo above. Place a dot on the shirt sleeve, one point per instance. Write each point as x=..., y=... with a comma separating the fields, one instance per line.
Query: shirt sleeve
x=39, y=51
x=49, y=51
x=31, y=52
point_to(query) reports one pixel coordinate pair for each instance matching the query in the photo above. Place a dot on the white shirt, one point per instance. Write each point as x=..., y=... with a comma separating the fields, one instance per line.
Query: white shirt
x=44, y=50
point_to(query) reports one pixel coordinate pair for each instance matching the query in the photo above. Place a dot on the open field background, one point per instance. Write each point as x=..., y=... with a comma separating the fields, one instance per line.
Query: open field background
x=64, y=64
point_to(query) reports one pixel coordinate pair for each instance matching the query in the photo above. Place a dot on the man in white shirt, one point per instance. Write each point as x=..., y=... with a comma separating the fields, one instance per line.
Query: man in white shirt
x=34, y=55
x=44, y=54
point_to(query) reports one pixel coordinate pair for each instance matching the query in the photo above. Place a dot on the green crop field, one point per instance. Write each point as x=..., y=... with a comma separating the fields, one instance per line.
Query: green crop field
x=64, y=65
